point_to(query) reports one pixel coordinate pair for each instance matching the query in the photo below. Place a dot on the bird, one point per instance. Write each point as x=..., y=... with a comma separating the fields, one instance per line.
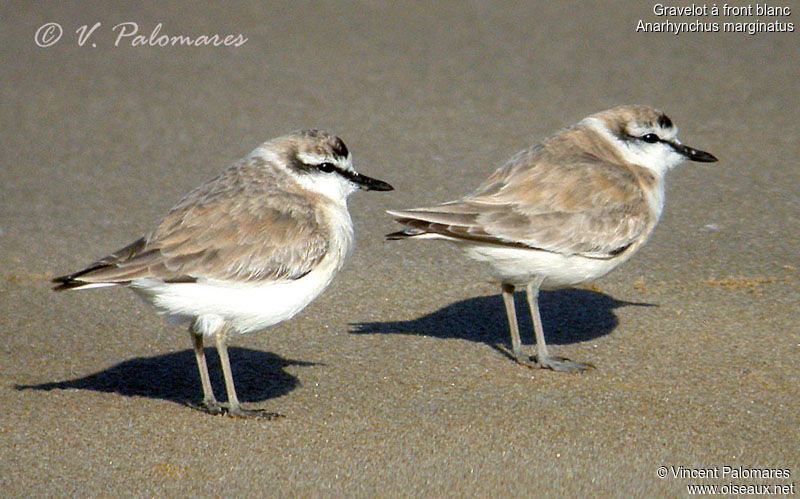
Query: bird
x=563, y=212
x=246, y=250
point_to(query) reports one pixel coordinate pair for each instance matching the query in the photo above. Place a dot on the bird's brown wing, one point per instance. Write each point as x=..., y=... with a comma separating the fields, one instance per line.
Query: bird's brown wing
x=227, y=229
x=585, y=206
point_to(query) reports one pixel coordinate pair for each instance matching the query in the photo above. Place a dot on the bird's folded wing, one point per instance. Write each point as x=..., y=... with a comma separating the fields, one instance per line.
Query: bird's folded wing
x=245, y=240
x=592, y=209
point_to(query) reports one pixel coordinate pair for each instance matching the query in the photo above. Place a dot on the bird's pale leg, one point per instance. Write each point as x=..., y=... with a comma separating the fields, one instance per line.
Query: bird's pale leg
x=511, y=313
x=209, y=404
x=543, y=359
x=234, y=408
x=221, y=336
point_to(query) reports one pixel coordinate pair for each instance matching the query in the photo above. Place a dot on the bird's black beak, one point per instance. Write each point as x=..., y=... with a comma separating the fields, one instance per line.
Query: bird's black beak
x=695, y=155
x=369, y=183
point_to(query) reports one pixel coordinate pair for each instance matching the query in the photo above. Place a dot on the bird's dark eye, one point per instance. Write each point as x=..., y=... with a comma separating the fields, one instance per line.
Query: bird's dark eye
x=650, y=138
x=326, y=167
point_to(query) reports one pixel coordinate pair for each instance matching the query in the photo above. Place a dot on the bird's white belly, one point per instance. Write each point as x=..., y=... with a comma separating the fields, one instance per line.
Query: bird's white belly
x=520, y=266
x=250, y=307
x=246, y=307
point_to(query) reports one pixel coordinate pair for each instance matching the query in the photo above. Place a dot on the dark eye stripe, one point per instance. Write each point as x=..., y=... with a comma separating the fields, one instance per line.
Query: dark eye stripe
x=301, y=166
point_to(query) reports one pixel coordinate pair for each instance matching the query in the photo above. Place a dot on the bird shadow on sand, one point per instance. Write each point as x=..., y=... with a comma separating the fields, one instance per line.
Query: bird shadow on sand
x=259, y=376
x=568, y=316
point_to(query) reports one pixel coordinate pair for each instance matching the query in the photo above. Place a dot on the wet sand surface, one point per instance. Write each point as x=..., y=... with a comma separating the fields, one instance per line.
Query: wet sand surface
x=397, y=380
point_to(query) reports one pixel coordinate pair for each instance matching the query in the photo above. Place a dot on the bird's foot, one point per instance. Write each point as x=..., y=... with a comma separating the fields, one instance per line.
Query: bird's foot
x=562, y=364
x=208, y=406
x=216, y=409
x=525, y=360
x=239, y=412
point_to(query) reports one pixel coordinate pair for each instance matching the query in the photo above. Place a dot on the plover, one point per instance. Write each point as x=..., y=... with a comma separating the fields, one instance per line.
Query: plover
x=246, y=250
x=564, y=212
